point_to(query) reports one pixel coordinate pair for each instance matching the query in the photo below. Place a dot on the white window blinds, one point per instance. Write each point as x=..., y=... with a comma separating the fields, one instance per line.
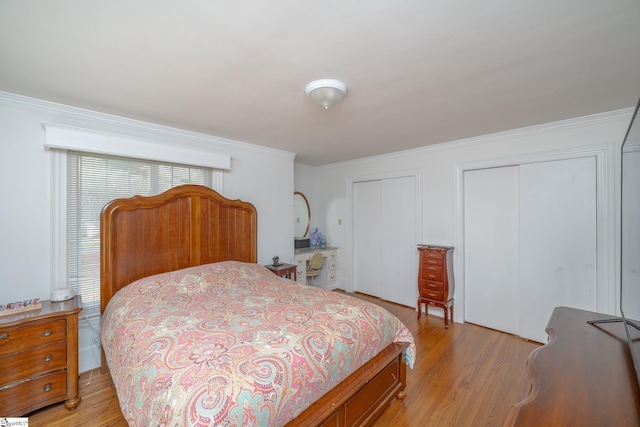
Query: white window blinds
x=93, y=180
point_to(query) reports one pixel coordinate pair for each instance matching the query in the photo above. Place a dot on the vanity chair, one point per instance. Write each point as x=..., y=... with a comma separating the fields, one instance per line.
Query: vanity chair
x=315, y=265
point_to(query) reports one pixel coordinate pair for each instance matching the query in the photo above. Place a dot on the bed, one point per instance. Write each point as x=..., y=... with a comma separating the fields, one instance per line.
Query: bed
x=194, y=332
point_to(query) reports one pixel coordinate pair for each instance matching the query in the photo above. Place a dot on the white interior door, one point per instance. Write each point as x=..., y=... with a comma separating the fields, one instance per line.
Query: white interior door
x=366, y=244
x=557, y=241
x=491, y=262
x=398, y=276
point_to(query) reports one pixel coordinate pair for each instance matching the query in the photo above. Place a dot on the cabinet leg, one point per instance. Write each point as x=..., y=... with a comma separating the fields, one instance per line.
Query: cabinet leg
x=451, y=311
x=448, y=309
x=72, y=403
x=446, y=317
x=426, y=307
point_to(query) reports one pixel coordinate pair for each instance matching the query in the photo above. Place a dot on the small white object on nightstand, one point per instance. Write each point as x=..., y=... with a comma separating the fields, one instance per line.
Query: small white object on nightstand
x=61, y=294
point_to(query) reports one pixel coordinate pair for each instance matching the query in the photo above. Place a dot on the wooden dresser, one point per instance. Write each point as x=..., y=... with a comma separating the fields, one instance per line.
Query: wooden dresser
x=435, y=279
x=583, y=377
x=39, y=358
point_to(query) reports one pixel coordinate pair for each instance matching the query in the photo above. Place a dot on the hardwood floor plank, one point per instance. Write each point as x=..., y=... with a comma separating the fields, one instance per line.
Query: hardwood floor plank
x=466, y=375
x=99, y=406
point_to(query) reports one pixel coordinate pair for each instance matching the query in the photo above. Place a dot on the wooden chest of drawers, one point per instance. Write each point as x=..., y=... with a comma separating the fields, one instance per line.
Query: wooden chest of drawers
x=435, y=279
x=39, y=358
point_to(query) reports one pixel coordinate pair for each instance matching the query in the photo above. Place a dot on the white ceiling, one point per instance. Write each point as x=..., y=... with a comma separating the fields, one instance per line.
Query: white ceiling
x=419, y=72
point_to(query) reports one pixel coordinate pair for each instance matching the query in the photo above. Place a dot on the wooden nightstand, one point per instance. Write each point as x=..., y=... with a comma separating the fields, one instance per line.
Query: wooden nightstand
x=284, y=270
x=39, y=358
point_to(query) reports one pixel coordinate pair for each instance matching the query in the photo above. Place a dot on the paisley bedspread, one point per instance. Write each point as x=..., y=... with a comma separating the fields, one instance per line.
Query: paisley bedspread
x=230, y=343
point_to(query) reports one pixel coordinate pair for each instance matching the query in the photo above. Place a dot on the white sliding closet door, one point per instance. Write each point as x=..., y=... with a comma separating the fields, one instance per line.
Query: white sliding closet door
x=385, y=239
x=530, y=243
x=631, y=231
x=398, y=280
x=557, y=240
x=366, y=223
x=491, y=248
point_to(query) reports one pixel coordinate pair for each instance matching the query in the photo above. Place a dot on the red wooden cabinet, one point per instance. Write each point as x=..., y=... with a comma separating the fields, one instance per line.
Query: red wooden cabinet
x=435, y=279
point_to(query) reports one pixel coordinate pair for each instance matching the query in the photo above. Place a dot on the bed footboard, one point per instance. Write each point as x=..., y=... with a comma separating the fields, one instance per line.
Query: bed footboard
x=364, y=395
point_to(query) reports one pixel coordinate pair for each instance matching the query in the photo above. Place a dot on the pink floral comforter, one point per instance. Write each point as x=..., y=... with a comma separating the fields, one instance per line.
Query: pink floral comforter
x=230, y=343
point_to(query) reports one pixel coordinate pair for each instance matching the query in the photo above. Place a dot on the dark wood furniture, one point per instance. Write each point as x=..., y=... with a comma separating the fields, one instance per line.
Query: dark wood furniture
x=583, y=376
x=39, y=358
x=284, y=270
x=435, y=280
x=193, y=225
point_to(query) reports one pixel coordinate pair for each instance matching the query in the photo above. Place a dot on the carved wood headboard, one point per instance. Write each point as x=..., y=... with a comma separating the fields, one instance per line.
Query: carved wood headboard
x=186, y=226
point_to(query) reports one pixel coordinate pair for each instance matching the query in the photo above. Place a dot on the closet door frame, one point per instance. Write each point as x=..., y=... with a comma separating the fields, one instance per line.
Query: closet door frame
x=606, y=279
x=416, y=174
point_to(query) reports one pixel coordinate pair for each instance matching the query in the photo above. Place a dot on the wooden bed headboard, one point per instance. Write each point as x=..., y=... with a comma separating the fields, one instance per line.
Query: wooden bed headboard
x=183, y=227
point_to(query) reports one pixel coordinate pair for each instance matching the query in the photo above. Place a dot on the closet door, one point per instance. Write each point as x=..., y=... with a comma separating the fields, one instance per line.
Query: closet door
x=491, y=261
x=557, y=240
x=366, y=223
x=530, y=243
x=385, y=255
x=398, y=275
x=630, y=257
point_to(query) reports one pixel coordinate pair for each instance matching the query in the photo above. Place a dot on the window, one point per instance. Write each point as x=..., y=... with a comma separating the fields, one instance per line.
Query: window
x=92, y=181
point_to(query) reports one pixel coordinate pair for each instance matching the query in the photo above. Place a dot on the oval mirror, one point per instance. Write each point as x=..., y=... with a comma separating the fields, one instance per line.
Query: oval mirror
x=301, y=215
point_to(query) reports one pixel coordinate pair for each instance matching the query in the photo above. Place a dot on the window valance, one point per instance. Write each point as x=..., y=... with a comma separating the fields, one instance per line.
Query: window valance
x=90, y=141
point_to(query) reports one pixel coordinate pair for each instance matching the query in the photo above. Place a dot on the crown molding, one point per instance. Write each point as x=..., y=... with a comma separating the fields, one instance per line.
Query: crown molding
x=201, y=139
x=493, y=137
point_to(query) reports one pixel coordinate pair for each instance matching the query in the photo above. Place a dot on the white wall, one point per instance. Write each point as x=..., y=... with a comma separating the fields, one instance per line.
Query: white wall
x=438, y=165
x=259, y=175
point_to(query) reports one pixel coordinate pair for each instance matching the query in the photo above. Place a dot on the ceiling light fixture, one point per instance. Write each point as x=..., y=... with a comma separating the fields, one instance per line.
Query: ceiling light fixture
x=326, y=92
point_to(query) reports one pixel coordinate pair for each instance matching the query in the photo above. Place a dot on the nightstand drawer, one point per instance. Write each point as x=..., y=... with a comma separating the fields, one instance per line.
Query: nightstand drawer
x=41, y=359
x=38, y=391
x=30, y=336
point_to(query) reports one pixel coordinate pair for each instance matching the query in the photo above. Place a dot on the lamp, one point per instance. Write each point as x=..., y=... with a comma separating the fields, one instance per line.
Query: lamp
x=326, y=92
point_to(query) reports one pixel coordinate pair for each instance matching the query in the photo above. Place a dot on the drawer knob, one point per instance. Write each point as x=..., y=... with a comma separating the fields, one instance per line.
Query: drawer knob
x=47, y=333
x=47, y=358
x=47, y=387
x=4, y=337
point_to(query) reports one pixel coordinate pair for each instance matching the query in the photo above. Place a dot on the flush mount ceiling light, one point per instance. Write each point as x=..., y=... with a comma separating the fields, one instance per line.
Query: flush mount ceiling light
x=326, y=92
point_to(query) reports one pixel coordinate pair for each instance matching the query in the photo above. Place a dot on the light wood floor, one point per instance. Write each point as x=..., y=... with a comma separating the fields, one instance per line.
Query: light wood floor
x=466, y=375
